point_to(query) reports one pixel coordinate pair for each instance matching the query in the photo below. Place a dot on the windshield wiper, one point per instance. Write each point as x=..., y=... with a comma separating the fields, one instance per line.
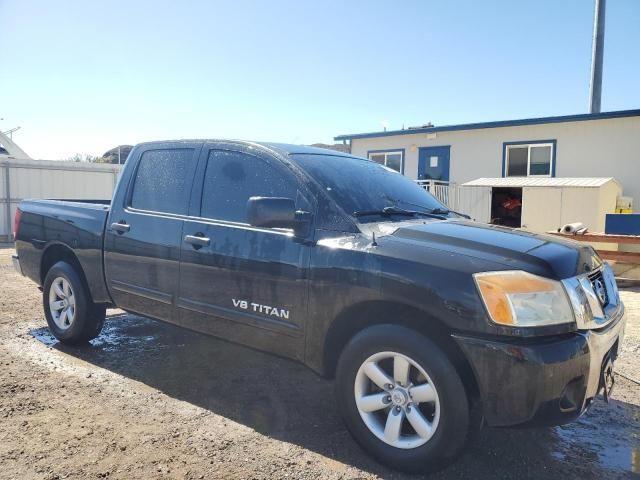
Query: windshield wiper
x=440, y=211
x=446, y=211
x=388, y=211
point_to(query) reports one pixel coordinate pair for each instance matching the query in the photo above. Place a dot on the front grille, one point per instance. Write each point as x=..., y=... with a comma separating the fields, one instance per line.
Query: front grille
x=599, y=286
x=594, y=297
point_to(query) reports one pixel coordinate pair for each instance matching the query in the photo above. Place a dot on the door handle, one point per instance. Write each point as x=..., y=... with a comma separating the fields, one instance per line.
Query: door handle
x=120, y=227
x=197, y=241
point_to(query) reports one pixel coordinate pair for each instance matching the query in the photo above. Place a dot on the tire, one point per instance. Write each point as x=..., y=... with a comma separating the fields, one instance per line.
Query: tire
x=64, y=290
x=445, y=424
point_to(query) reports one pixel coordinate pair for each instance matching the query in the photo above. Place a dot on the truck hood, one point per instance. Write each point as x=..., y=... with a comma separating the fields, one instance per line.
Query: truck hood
x=544, y=255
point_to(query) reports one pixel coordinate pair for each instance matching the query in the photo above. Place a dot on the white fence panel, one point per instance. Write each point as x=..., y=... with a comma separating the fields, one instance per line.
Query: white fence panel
x=59, y=182
x=3, y=220
x=446, y=192
x=475, y=202
x=51, y=179
x=3, y=183
x=472, y=201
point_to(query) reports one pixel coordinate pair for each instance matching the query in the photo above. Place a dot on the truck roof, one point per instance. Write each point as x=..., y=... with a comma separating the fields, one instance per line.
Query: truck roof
x=282, y=148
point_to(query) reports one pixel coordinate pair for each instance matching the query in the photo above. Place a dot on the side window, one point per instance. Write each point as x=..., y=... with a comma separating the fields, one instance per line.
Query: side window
x=231, y=178
x=163, y=181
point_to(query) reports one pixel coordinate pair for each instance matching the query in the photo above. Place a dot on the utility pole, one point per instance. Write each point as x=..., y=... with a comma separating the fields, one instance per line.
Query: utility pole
x=10, y=132
x=595, y=90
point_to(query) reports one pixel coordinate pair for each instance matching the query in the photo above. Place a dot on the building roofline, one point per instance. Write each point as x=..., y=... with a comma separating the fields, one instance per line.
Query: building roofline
x=502, y=123
x=540, y=182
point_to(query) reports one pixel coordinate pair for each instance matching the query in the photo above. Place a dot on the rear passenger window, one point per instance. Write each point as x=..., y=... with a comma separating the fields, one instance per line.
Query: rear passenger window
x=231, y=178
x=163, y=181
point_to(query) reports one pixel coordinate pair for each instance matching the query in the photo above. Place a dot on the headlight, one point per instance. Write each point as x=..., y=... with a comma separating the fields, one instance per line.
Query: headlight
x=521, y=299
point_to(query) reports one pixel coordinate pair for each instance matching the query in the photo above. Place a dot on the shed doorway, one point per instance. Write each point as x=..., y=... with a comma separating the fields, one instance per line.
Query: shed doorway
x=506, y=206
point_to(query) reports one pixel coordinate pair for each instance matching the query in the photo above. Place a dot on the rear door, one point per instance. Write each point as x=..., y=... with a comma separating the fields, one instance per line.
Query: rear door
x=144, y=230
x=239, y=282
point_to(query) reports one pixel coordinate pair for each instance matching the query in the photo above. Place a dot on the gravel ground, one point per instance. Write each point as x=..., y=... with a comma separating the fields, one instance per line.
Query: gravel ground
x=149, y=400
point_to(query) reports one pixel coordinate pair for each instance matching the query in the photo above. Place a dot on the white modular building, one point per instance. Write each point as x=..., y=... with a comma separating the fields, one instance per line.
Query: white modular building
x=601, y=146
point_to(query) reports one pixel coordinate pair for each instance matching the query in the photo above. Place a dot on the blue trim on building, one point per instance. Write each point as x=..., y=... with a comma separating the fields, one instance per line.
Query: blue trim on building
x=503, y=123
x=554, y=149
x=391, y=150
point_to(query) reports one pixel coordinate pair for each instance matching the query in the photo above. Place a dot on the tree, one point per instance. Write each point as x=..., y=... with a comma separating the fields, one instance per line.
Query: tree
x=84, y=157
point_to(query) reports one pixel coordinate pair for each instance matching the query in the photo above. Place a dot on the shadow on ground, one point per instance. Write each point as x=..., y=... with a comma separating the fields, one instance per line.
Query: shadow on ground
x=284, y=400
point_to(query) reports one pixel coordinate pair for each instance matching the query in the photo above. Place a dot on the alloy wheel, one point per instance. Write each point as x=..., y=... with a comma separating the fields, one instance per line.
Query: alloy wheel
x=62, y=303
x=397, y=400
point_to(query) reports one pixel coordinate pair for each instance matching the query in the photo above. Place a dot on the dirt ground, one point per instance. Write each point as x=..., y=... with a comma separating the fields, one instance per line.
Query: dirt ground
x=149, y=400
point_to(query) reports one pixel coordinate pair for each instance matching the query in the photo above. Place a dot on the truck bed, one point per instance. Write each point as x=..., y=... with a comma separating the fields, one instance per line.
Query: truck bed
x=77, y=225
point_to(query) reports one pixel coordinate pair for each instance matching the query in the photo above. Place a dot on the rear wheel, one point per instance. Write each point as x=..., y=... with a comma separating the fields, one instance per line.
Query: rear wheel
x=402, y=399
x=71, y=314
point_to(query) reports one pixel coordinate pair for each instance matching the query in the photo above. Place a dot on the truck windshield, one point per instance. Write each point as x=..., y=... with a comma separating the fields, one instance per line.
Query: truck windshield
x=368, y=190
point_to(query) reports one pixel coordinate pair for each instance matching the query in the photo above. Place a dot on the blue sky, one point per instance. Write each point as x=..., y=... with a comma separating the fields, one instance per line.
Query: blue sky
x=84, y=76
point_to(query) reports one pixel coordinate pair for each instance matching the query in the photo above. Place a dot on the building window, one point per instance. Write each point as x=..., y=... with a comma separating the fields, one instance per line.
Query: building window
x=529, y=159
x=393, y=159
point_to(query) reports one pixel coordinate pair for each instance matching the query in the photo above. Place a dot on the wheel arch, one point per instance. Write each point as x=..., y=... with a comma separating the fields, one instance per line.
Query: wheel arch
x=358, y=317
x=57, y=252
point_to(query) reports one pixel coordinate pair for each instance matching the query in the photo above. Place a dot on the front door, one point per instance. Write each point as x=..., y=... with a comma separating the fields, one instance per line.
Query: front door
x=239, y=282
x=144, y=234
x=433, y=163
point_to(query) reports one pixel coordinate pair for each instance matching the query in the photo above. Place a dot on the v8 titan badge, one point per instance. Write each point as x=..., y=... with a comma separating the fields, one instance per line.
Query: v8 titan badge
x=263, y=309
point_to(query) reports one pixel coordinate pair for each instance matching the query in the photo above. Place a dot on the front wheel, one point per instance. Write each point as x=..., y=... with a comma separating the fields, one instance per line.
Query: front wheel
x=402, y=399
x=72, y=316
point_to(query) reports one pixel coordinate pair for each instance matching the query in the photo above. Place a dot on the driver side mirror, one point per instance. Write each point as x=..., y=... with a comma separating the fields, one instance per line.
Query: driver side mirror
x=275, y=212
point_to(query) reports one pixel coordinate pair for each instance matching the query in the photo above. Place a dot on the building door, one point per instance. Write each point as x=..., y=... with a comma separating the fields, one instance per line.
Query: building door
x=433, y=163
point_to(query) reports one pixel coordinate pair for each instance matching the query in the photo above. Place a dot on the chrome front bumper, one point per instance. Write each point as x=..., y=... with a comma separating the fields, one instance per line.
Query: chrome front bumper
x=542, y=382
x=600, y=317
x=602, y=344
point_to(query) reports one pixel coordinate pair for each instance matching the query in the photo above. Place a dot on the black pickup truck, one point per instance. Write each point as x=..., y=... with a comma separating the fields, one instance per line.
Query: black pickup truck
x=431, y=324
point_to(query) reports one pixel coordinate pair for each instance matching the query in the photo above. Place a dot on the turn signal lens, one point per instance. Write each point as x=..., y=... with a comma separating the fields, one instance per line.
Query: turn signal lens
x=521, y=299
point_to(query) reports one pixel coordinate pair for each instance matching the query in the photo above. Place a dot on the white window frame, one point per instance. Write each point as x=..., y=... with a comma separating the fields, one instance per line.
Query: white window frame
x=529, y=146
x=386, y=153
